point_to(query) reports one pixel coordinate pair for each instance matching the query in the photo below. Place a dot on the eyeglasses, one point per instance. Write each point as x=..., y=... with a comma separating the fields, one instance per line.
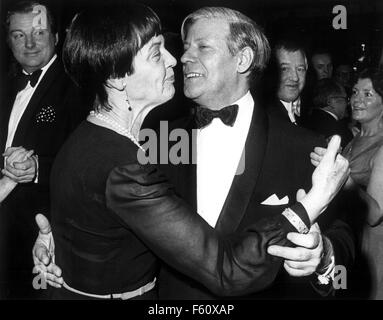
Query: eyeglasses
x=339, y=98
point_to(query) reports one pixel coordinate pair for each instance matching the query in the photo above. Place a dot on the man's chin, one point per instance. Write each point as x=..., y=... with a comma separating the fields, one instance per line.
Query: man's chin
x=189, y=93
x=32, y=65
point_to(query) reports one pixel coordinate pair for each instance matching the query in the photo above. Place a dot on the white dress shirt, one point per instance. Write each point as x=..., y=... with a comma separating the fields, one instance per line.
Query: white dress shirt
x=21, y=102
x=219, y=150
x=293, y=108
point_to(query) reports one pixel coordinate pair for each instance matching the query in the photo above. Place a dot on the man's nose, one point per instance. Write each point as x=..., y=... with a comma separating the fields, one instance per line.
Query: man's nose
x=188, y=56
x=30, y=41
x=293, y=75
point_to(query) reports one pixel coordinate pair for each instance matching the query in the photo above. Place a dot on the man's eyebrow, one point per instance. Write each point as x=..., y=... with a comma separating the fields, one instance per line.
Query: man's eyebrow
x=196, y=40
x=15, y=30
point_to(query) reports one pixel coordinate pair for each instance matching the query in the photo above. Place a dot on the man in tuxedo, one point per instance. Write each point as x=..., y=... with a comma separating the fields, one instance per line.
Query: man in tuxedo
x=247, y=167
x=288, y=73
x=328, y=115
x=247, y=162
x=40, y=108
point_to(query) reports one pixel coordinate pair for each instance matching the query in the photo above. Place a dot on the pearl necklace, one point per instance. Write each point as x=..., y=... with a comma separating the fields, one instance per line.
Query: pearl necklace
x=115, y=125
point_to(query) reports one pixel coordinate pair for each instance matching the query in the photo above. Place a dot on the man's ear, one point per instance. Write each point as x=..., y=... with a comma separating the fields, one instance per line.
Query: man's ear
x=245, y=58
x=56, y=38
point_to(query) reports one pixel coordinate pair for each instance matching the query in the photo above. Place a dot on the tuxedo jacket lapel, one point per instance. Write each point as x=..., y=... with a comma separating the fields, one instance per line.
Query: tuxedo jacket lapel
x=35, y=103
x=184, y=176
x=6, y=109
x=244, y=184
x=188, y=173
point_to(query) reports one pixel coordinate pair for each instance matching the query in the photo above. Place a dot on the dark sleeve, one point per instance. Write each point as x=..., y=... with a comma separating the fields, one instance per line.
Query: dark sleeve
x=227, y=265
x=45, y=166
x=342, y=237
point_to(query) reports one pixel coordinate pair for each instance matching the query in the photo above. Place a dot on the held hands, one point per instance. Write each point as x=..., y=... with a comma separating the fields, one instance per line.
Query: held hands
x=304, y=259
x=20, y=164
x=330, y=174
x=43, y=253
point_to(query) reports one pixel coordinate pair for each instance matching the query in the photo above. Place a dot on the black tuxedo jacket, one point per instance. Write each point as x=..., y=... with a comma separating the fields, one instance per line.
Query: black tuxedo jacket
x=322, y=122
x=57, y=96
x=276, y=162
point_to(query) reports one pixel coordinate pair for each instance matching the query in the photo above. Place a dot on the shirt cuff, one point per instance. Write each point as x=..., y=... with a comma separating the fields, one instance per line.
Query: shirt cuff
x=36, y=159
x=298, y=218
x=326, y=269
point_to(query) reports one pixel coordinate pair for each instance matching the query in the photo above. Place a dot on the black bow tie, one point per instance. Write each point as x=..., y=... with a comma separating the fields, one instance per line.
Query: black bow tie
x=22, y=79
x=227, y=115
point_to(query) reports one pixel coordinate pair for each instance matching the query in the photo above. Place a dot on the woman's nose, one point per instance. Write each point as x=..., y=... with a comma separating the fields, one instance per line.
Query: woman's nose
x=170, y=61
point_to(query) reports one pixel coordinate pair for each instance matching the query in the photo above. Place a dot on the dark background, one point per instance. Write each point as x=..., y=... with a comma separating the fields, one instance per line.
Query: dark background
x=311, y=20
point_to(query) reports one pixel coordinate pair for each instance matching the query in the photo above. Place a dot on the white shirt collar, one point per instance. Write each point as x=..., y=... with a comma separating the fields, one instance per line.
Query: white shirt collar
x=245, y=100
x=245, y=108
x=287, y=106
x=332, y=114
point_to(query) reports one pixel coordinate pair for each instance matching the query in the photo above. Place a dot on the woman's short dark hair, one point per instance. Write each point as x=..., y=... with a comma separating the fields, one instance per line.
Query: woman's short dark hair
x=102, y=42
x=376, y=77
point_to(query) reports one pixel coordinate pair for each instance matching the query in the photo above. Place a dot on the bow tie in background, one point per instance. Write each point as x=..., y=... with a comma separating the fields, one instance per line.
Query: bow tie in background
x=22, y=79
x=205, y=116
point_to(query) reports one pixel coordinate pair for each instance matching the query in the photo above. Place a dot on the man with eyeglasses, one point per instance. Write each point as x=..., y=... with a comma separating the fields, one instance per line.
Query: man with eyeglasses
x=328, y=116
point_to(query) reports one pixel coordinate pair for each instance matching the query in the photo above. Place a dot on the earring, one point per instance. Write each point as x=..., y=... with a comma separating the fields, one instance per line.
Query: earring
x=129, y=106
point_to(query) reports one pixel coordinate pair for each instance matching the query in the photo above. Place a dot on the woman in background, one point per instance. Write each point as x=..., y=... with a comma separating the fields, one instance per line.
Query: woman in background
x=364, y=188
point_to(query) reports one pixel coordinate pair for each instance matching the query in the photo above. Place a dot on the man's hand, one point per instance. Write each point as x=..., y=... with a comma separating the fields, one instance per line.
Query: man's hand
x=16, y=154
x=43, y=253
x=20, y=171
x=304, y=259
x=327, y=179
x=317, y=155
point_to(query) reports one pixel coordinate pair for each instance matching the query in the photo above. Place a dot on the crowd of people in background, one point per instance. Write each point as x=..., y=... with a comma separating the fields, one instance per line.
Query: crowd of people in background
x=69, y=134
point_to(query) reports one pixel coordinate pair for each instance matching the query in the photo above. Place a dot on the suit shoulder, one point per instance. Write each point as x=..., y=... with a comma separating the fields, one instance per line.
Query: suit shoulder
x=287, y=132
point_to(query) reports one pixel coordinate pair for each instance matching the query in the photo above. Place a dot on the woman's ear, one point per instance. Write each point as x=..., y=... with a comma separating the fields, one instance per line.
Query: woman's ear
x=116, y=83
x=245, y=58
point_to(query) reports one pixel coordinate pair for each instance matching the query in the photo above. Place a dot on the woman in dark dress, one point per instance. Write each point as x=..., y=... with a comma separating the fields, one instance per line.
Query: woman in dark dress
x=113, y=217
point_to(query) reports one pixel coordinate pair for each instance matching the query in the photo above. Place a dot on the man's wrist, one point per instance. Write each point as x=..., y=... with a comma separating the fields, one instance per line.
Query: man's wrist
x=313, y=204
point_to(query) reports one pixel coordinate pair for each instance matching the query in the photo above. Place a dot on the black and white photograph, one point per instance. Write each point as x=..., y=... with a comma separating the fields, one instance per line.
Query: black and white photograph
x=175, y=151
